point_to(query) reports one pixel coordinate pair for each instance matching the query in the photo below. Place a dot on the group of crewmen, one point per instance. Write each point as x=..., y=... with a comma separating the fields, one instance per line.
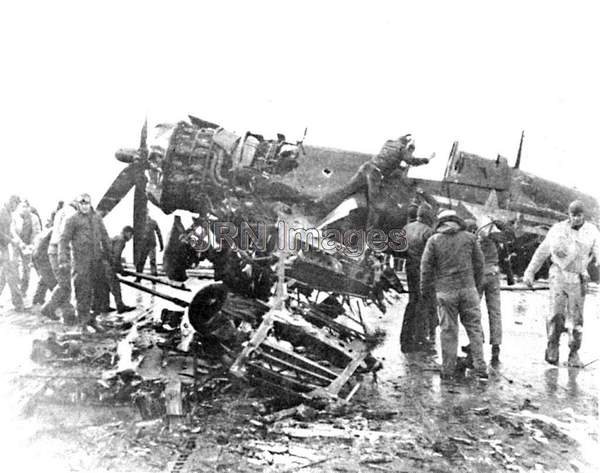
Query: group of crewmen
x=451, y=266
x=72, y=251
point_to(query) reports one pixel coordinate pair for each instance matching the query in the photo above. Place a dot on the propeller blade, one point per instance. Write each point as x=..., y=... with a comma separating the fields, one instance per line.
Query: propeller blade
x=118, y=189
x=144, y=135
x=140, y=215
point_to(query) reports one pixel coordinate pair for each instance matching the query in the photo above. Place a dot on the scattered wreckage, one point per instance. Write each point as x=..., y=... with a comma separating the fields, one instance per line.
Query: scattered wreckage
x=285, y=309
x=301, y=348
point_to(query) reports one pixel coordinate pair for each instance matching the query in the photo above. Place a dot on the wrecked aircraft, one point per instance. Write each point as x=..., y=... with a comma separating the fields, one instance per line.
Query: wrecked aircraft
x=296, y=346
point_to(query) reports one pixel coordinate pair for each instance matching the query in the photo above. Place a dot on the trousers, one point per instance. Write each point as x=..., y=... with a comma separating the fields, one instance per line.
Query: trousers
x=25, y=262
x=415, y=323
x=566, y=312
x=61, y=294
x=9, y=275
x=463, y=303
x=47, y=280
x=87, y=276
x=147, y=252
x=109, y=285
x=491, y=290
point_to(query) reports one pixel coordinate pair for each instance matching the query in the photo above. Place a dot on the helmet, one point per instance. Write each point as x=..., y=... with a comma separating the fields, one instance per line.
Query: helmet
x=576, y=207
x=425, y=211
x=471, y=225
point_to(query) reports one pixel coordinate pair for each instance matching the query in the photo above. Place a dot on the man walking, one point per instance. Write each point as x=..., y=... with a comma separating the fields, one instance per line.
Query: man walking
x=452, y=263
x=149, y=249
x=415, y=324
x=570, y=244
x=85, y=236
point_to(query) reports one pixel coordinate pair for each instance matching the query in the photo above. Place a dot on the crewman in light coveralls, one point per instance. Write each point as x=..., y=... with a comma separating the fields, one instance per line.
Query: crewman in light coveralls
x=570, y=244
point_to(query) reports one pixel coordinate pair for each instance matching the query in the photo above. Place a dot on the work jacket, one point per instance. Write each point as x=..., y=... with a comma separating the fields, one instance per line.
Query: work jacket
x=25, y=228
x=85, y=235
x=58, y=225
x=40, y=249
x=417, y=234
x=452, y=260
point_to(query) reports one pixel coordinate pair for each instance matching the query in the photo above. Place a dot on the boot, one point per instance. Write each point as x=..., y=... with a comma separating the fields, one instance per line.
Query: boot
x=68, y=315
x=552, y=353
x=125, y=308
x=93, y=323
x=88, y=322
x=495, y=354
x=574, y=361
x=469, y=358
x=481, y=373
x=424, y=347
x=48, y=312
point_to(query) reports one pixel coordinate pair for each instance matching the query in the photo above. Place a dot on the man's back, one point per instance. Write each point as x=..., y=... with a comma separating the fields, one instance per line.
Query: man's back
x=417, y=234
x=117, y=246
x=453, y=257
x=453, y=262
x=152, y=232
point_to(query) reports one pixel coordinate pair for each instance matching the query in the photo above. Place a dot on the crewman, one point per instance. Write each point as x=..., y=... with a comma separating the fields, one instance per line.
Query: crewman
x=415, y=325
x=61, y=294
x=25, y=227
x=152, y=232
x=394, y=155
x=116, y=266
x=8, y=265
x=489, y=236
x=85, y=235
x=570, y=244
x=452, y=263
x=41, y=263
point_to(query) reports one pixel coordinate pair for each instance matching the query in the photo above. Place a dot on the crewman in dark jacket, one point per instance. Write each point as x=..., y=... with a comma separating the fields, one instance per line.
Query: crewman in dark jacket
x=41, y=263
x=8, y=264
x=115, y=266
x=419, y=307
x=149, y=248
x=453, y=263
x=86, y=238
x=394, y=155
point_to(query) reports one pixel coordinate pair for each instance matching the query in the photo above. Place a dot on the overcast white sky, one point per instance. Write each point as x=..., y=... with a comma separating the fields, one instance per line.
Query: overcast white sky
x=78, y=78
